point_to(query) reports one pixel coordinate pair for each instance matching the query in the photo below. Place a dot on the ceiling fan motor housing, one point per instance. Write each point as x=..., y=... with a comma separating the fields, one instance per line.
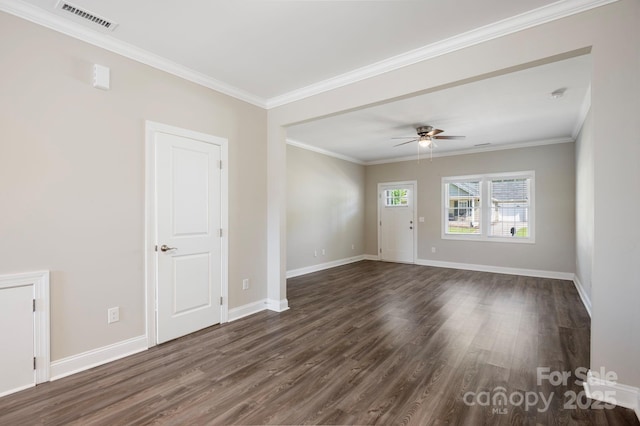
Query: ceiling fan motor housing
x=424, y=130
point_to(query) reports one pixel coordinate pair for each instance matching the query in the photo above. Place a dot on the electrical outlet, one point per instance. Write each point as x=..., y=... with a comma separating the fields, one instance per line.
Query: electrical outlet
x=433, y=249
x=245, y=284
x=323, y=252
x=421, y=219
x=353, y=246
x=113, y=315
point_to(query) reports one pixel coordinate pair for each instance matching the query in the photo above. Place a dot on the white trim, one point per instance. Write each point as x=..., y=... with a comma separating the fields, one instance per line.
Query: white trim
x=151, y=128
x=603, y=390
x=532, y=18
x=277, y=305
x=322, y=266
x=95, y=357
x=486, y=206
x=18, y=389
x=582, y=114
x=248, y=309
x=370, y=257
x=475, y=150
x=259, y=306
x=567, y=276
x=150, y=266
x=324, y=151
x=586, y=301
x=57, y=23
x=41, y=328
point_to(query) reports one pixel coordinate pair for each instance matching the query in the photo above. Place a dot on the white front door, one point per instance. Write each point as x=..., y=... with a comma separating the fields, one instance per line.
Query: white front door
x=17, y=348
x=188, y=214
x=397, y=222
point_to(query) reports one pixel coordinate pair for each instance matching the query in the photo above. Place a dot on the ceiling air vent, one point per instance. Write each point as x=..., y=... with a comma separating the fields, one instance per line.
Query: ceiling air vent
x=86, y=16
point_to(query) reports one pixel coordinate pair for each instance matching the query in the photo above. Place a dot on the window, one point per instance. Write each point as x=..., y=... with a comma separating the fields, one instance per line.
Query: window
x=510, y=207
x=495, y=207
x=396, y=197
x=463, y=207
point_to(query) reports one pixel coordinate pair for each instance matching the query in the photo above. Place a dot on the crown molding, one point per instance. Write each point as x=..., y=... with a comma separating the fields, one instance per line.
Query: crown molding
x=324, y=151
x=527, y=144
x=542, y=15
x=49, y=20
x=490, y=148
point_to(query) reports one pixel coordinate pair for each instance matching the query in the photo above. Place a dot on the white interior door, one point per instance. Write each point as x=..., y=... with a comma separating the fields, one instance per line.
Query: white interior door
x=397, y=222
x=17, y=348
x=188, y=191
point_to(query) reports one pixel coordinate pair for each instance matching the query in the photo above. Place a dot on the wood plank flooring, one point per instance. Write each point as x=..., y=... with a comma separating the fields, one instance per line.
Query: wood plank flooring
x=366, y=343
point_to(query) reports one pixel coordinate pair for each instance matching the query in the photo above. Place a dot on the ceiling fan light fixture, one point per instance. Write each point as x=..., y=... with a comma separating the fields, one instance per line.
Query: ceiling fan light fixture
x=424, y=141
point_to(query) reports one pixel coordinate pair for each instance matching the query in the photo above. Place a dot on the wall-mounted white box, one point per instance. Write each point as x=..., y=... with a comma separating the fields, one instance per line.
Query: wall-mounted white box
x=101, y=77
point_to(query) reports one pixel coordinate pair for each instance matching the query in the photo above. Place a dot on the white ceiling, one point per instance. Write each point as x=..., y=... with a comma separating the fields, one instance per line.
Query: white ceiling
x=270, y=52
x=507, y=110
x=265, y=49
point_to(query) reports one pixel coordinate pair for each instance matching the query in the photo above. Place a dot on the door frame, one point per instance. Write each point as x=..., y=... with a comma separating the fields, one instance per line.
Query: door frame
x=150, y=238
x=415, y=214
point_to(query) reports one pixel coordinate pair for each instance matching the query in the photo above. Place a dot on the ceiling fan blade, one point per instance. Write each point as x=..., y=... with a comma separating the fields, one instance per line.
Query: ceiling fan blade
x=405, y=137
x=434, y=132
x=404, y=143
x=448, y=137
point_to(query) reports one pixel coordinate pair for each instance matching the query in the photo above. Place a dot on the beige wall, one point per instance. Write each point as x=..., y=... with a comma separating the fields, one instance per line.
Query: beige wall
x=612, y=34
x=554, y=207
x=325, y=208
x=585, y=205
x=72, y=178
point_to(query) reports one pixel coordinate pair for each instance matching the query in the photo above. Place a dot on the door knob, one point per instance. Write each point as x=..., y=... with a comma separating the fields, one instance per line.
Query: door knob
x=165, y=247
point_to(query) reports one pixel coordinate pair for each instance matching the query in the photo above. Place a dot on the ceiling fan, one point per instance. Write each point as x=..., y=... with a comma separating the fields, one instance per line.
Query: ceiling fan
x=426, y=136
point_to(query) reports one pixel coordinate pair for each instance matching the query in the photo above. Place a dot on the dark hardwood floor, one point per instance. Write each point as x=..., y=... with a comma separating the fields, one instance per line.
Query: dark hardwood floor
x=367, y=343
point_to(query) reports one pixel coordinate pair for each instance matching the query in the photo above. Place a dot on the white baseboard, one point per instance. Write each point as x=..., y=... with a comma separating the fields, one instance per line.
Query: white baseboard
x=248, y=309
x=259, y=306
x=18, y=389
x=586, y=301
x=95, y=357
x=603, y=390
x=498, y=269
x=371, y=257
x=277, y=305
x=322, y=266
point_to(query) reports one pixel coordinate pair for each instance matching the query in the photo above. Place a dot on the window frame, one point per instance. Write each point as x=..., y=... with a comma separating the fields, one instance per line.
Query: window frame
x=486, y=208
